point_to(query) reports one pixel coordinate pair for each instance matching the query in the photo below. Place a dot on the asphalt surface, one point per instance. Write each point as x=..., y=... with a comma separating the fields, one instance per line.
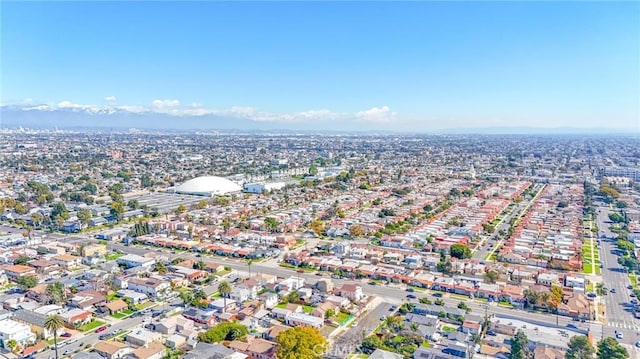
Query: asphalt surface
x=619, y=316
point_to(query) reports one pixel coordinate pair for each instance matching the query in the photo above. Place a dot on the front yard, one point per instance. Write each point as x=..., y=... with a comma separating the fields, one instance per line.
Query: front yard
x=91, y=326
x=143, y=306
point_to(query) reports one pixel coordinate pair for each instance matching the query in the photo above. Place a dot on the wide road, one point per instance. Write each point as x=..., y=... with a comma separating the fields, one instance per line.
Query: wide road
x=617, y=307
x=392, y=294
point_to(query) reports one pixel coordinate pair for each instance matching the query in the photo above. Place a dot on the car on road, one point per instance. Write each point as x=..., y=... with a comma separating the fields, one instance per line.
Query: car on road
x=619, y=335
x=101, y=329
x=632, y=295
x=629, y=286
x=439, y=295
x=411, y=296
x=372, y=283
x=67, y=352
x=637, y=344
x=409, y=289
x=612, y=290
x=571, y=325
x=393, y=308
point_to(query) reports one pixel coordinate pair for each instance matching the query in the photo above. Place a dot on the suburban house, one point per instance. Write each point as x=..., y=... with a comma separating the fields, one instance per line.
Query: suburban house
x=351, y=291
x=112, y=349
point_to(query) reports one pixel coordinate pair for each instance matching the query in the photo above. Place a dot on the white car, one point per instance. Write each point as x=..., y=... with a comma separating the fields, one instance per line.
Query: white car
x=619, y=335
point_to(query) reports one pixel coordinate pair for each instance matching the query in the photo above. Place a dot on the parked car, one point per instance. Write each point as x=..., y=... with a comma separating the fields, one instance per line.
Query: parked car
x=101, y=329
x=491, y=332
x=410, y=289
x=411, y=296
x=436, y=294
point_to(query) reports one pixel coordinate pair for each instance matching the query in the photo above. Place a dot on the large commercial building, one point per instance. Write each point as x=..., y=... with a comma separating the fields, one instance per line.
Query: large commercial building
x=208, y=186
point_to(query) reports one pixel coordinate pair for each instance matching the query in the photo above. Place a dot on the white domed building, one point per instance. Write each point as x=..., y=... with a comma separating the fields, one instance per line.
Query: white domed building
x=208, y=186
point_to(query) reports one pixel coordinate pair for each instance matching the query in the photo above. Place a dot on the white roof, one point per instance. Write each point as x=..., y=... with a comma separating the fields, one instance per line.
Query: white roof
x=208, y=185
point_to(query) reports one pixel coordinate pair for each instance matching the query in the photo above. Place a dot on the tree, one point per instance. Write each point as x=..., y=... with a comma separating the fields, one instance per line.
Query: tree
x=444, y=267
x=329, y=313
x=300, y=343
x=317, y=226
x=224, y=288
x=27, y=282
x=186, y=296
x=226, y=224
x=133, y=204
x=271, y=224
x=580, y=348
x=609, y=348
x=21, y=260
x=117, y=210
x=460, y=251
x=491, y=276
x=356, y=231
x=57, y=292
x=520, y=346
x=223, y=331
x=53, y=323
x=12, y=344
x=160, y=268
x=84, y=215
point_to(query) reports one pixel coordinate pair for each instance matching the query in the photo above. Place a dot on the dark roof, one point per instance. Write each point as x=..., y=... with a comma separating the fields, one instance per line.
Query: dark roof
x=209, y=351
x=31, y=317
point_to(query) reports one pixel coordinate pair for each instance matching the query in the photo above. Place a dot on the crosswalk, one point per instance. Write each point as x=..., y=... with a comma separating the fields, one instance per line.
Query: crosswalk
x=631, y=326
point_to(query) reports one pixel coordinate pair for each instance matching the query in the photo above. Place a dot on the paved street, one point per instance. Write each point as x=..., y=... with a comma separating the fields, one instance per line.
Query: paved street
x=617, y=309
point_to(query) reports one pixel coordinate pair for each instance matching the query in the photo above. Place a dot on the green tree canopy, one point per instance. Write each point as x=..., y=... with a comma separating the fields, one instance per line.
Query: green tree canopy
x=580, y=348
x=520, y=346
x=609, y=348
x=460, y=251
x=27, y=282
x=300, y=343
x=223, y=331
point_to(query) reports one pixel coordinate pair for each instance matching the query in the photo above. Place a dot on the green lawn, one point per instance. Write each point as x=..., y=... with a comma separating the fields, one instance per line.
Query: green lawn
x=505, y=304
x=307, y=309
x=419, y=289
x=91, y=326
x=113, y=256
x=222, y=273
x=127, y=312
x=119, y=315
x=398, y=339
x=143, y=306
x=448, y=329
x=112, y=296
x=341, y=317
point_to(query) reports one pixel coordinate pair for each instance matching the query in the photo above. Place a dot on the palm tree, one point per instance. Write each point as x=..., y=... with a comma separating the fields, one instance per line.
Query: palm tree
x=224, y=288
x=249, y=263
x=53, y=323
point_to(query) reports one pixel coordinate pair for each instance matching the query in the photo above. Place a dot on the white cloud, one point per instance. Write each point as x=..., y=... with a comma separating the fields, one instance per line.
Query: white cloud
x=165, y=104
x=173, y=107
x=376, y=115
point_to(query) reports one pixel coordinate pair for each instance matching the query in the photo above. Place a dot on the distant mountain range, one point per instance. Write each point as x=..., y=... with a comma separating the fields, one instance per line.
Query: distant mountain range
x=42, y=117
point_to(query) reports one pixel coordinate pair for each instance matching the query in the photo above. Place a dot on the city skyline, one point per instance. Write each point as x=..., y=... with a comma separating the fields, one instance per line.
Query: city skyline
x=407, y=67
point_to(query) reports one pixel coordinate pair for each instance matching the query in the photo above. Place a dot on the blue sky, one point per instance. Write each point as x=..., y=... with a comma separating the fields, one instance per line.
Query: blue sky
x=419, y=65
